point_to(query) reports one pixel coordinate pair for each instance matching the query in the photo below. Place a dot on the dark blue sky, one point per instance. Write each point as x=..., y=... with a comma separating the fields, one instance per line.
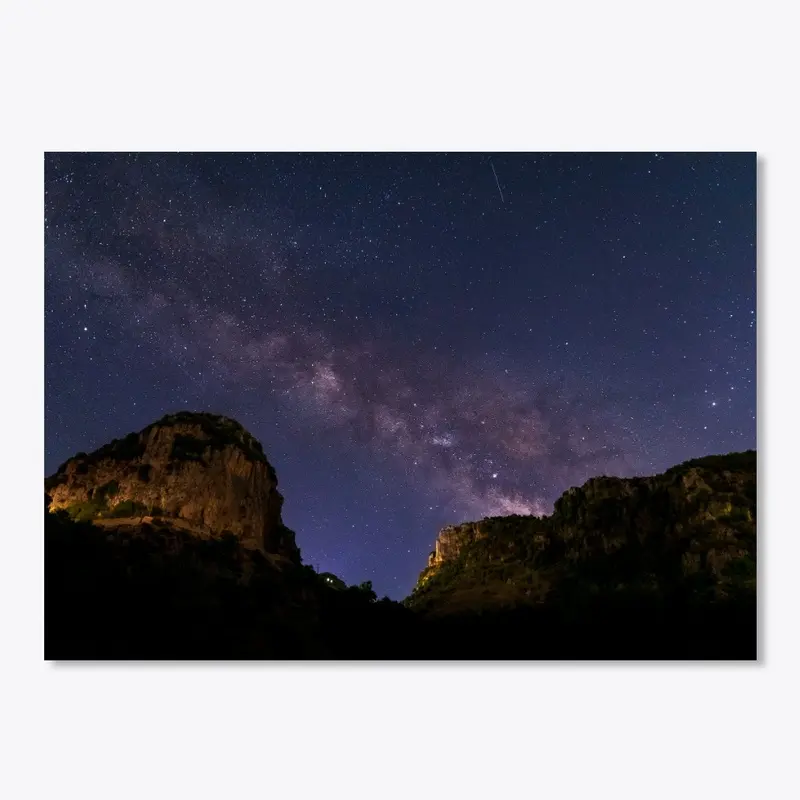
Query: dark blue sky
x=414, y=341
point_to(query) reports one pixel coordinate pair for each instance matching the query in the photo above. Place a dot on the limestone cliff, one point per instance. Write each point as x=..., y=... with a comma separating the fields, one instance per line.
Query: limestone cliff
x=689, y=532
x=204, y=473
x=452, y=539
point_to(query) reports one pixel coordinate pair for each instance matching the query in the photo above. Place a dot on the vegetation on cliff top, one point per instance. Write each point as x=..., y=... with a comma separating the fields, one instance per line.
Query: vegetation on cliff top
x=216, y=433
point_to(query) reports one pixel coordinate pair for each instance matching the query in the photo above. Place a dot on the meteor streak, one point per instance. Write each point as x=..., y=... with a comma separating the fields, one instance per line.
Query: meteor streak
x=497, y=181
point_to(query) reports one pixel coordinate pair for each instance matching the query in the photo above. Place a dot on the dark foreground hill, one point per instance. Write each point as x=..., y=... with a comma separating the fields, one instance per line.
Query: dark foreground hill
x=151, y=591
x=642, y=568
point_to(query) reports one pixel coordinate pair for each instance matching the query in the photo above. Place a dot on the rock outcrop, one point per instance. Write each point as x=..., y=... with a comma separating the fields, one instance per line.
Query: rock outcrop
x=200, y=472
x=452, y=539
x=690, y=532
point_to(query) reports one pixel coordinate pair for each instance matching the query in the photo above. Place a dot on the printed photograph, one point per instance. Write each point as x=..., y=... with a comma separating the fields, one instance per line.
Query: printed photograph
x=406, y=406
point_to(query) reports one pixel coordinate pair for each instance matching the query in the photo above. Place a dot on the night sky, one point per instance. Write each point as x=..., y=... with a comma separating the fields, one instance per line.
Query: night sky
x=416, y=339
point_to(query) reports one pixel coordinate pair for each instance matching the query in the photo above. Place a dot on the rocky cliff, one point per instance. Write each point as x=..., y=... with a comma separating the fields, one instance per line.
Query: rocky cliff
x=689, y=534
x=202, y=473
x=660, y=567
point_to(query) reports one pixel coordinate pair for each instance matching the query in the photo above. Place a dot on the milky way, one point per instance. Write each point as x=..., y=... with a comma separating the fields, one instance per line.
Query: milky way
x=411, y=348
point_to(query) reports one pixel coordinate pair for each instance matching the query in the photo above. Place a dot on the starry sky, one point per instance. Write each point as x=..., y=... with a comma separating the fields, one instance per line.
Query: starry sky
x=416, y=339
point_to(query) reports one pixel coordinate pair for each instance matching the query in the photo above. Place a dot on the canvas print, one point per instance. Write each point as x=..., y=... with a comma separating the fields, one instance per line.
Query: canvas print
x=400, y=406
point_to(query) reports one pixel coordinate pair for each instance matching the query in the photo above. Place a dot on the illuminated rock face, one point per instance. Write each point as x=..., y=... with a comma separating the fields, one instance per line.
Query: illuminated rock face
x=452, y=539
x=690, y=530
x=205, y=472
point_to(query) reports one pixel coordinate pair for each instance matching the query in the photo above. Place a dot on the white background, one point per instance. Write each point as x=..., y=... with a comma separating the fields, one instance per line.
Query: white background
x=402, y=76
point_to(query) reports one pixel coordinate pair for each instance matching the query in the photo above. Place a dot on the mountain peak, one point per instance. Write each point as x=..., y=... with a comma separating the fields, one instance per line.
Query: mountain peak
x=198, y=471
